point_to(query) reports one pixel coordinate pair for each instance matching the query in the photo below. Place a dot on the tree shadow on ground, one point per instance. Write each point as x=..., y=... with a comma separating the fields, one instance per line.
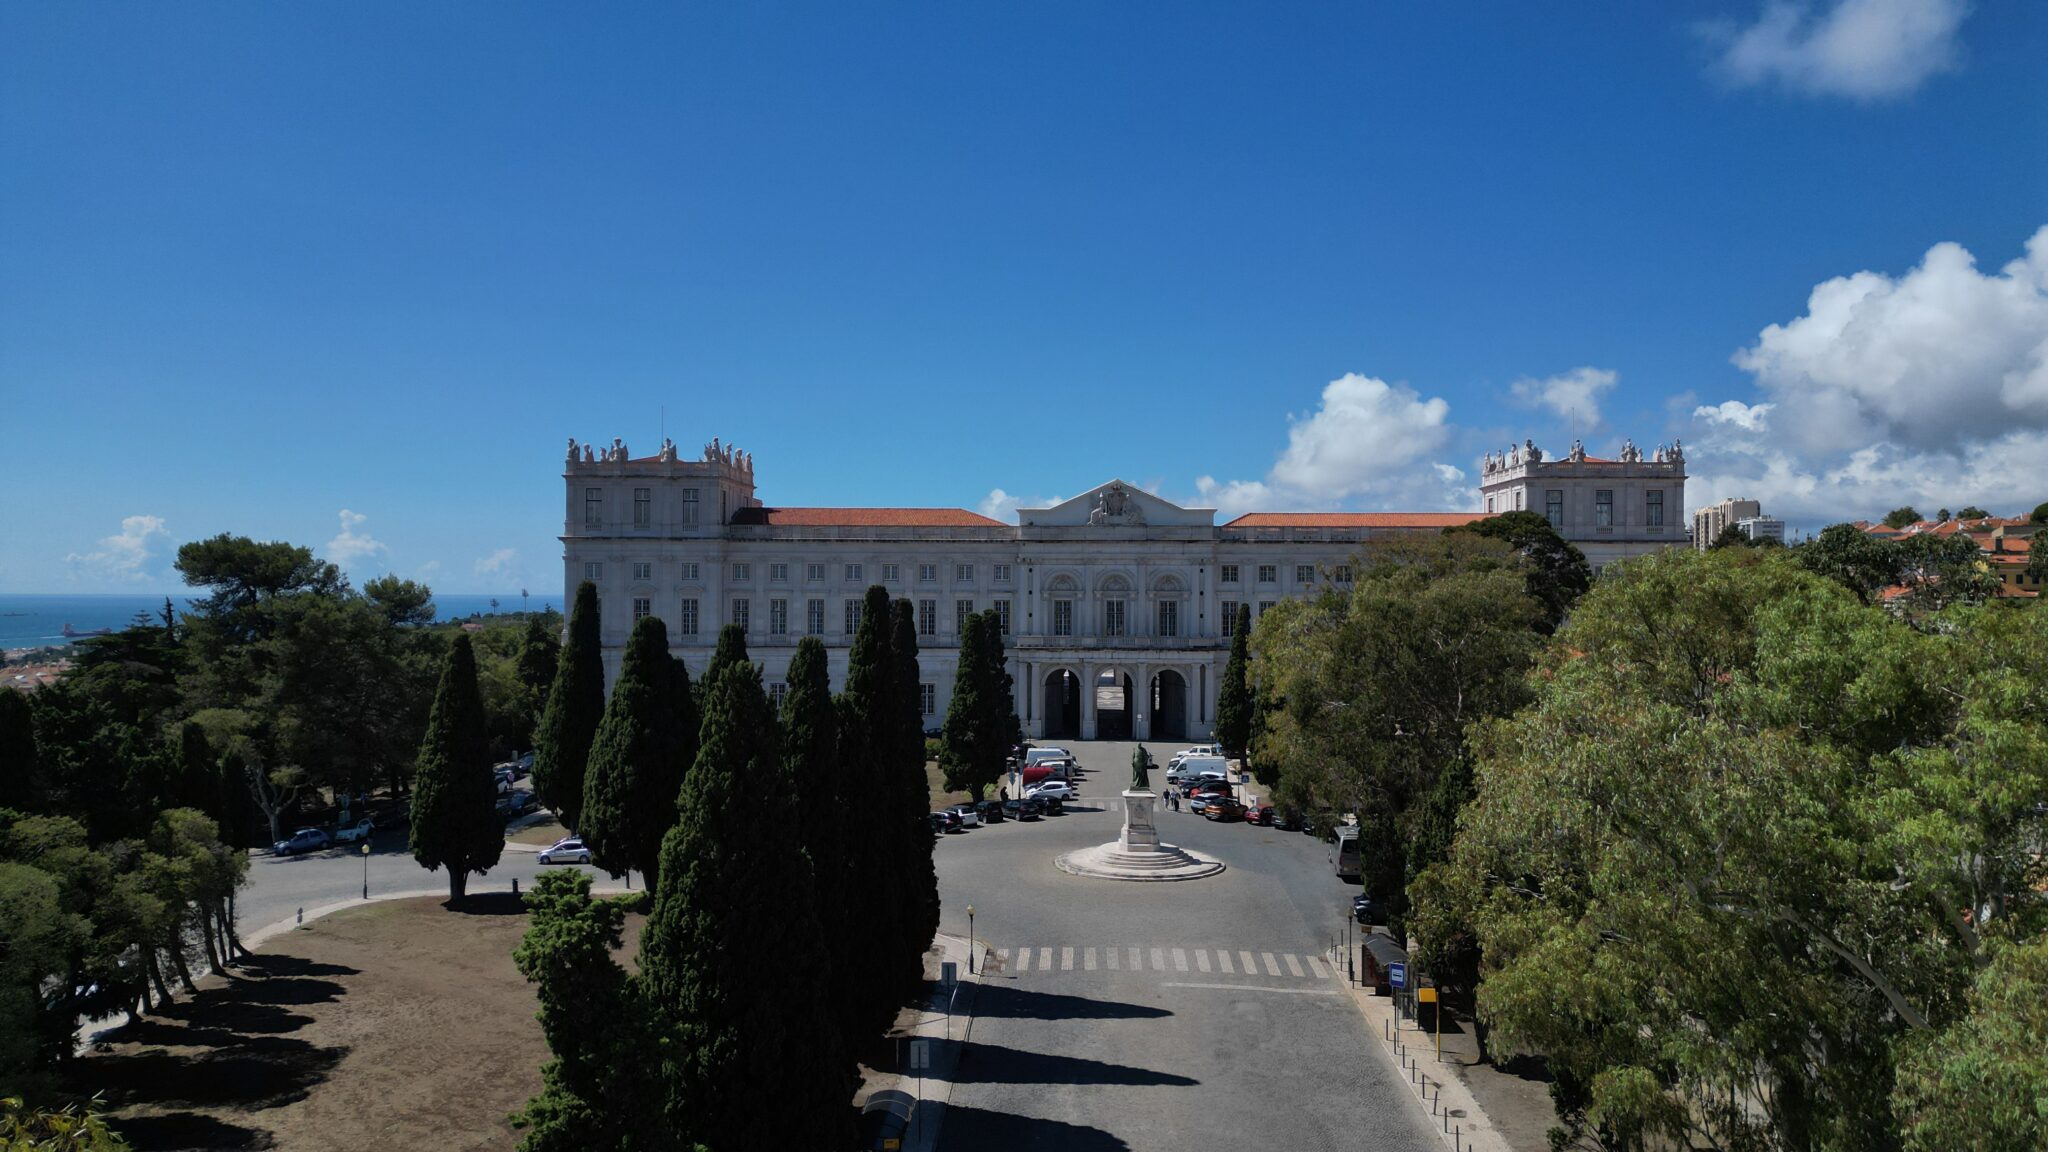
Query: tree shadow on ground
x=189, y=1130
x=268, y=964
x=995, y=1064
x=1023, y=1004
x=985, y=1130
x=488, y=904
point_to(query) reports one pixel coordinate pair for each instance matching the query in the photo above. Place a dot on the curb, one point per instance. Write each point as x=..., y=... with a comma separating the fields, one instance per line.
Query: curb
x=307, y=916
x=1454, y=1114
x=946, y=1023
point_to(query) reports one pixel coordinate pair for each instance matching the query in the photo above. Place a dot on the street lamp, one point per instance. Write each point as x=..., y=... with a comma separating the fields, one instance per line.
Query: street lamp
x=366, y=870
x=970, y=939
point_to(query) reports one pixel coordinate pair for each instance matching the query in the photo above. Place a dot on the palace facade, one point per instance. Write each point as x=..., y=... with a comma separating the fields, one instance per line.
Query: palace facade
x=1118, y=604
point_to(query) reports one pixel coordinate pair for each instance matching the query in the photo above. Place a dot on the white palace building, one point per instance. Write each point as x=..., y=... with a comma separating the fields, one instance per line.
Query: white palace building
x=1119, y=603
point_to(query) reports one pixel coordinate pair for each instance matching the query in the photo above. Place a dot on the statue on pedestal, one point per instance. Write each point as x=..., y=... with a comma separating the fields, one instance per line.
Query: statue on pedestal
x=1141, y=760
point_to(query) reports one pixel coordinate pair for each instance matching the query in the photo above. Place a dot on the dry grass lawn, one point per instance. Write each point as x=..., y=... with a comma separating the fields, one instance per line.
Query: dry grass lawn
x=397, y=1025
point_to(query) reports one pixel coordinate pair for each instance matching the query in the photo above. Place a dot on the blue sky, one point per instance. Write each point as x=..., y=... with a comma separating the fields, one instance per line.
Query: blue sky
x=349, y=275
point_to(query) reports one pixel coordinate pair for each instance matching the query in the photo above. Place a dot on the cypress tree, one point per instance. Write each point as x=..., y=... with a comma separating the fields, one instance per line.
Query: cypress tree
x=1002, y=705
x=21, y=785
x=683, y=706
x=732, y=951
x=568, y=722
x=731, y=649
x=629, y=787
x=871, y=883
x=454, y=806
x=810, y=755
x=1234, y=696
x=908, y=823
x=540, y=653
x=964, y=751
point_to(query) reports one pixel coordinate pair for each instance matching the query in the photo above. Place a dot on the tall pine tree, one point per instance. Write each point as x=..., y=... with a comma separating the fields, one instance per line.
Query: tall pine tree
x=629, y=788
x=909, y=823
x=810, y=755
x=454, y=807
x=731, y=649
x=1234, y=696
x=874, y=860
x=568, y=721
x=964, y=752
x=733, y=952
x=683, y=707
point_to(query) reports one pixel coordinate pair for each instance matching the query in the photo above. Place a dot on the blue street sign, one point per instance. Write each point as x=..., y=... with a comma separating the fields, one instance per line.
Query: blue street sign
x=1397, y=975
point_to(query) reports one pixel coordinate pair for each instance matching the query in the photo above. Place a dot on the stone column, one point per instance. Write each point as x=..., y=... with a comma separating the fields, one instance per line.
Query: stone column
x=1087, y=701
x=1141, y=707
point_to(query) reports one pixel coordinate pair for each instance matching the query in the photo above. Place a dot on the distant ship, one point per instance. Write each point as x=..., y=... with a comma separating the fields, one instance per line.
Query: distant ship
x=71, y=633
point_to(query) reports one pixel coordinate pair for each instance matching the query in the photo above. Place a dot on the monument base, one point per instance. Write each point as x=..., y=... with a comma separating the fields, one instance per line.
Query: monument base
x=1137, y=853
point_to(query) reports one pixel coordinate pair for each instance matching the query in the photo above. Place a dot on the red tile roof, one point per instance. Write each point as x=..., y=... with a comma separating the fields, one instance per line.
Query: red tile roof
x=1354, y=519
x=864, y=518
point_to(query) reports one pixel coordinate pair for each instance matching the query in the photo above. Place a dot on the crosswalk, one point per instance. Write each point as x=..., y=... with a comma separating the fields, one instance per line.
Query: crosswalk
x=1163, y=959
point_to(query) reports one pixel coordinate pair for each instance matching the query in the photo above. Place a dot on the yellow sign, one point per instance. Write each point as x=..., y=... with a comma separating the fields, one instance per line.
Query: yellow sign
x=1425, y=995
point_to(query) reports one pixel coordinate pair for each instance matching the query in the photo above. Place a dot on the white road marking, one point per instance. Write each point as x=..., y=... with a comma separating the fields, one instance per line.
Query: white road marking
x=1137, y=962
x=1116, y=956
x=1045, y=959
x=1023, y=959
x=1223, y=961
x=1202, y=959
x=1316, y=966
x=1088, y=959
x=1159, y=960
x=1180, y=959
x=1003, y=956
x=1293, y=965
x=1272, y=965
x=1253, y=988
x=1251, y=966
x=1066, y=959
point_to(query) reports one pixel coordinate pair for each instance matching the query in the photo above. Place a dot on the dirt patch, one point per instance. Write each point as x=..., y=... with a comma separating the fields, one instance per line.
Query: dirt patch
x=544, y=833
x=398, y=1025
x=935, y=781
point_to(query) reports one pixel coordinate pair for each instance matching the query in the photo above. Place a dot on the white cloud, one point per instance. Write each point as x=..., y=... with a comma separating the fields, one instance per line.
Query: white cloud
x=1862, y=49
x=1576, y=393
x=1366, y=442
x=122, y=558
x=1929, y=388
x=1001, y=505
x=498, y=564
x=350, y=546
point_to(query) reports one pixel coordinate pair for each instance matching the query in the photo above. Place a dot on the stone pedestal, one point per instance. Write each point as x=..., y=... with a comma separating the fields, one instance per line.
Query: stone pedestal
x=1139, y=834
x=1137, y=854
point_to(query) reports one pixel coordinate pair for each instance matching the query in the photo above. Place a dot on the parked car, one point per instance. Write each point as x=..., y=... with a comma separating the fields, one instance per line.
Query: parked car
x=1258, y=814
x=991, y=811
x=356, y=833
x=1222, y=808
x=1023, y=808
x=567, y=850
x=1287, y=820
x=304, y=840
x=935, y=733
x=1050, y=789
x=525, y=763
x=1365, y=909
x=1203, y=788
x=946, y=821
x=1053, y=805
x=516, y=803
x=968, y=814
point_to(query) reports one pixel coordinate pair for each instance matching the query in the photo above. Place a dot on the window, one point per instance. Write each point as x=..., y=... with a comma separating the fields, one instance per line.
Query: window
x=642, y=570
x=927, y=617
x=689, y=517
x=1265, y=606
x=853, y=608
x=1169, y=618
x=1342, y=574
x=741, y=573
x=1603, y=508
x=1000, y=574
x=1269, y=573
x=778, y=573
x=593, y=569
x=853, y=574
x=814, y=617
x=778, y=617
x=686, y=623
x=1229, y=617
x=1653, y=508
x=962, y=609
x=892, y=573
x=743, y=613
x=1003, y=616
x=1227, y=574
x=776, y=692
x=1553, y=507
x=1063, y=617
x=642, y=606
x=687, y=571
x=1113, y=618
x=1518, y=499
x=1304, y=573
x=1489, y=505
x=927, y=573
x=928, y=699
x=963, y=573
x=593, y=507
x=814, y=572
x=643, y=507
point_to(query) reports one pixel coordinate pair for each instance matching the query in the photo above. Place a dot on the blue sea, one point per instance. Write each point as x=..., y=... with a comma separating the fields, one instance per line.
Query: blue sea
x=32, y=621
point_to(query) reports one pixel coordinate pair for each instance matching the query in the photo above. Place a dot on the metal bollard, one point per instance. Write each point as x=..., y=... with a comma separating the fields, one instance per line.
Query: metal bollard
x=515, y=885
x=302, y=914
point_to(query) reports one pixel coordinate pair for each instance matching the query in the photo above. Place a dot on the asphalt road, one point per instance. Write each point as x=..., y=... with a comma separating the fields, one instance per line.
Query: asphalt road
x=1191, y=1015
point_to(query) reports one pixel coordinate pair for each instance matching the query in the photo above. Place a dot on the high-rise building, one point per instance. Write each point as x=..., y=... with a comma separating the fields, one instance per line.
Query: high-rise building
x=1708, y=523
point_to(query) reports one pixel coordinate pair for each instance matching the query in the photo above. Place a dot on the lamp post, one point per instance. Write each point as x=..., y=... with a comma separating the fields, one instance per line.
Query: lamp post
x=970, y=939
x=366, y=870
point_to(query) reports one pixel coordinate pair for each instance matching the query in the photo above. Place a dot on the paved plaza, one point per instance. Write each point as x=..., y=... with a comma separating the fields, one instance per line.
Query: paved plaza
x=1194, y=1015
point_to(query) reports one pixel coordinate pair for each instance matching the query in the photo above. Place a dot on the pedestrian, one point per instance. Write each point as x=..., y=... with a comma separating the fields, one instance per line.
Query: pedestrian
x=1003, y=793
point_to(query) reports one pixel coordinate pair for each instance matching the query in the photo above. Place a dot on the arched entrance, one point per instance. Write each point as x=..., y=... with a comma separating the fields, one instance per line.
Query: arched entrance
x=1062, y=705
x=1169, y=707
x=1112, y=706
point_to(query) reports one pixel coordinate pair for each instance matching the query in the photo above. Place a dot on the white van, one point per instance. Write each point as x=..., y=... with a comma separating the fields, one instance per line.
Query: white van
x=1033, y=756
x=1194, y=767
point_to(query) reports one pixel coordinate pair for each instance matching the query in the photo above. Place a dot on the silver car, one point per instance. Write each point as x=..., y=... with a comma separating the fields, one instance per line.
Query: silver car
x=969, y=816
x=568, y=850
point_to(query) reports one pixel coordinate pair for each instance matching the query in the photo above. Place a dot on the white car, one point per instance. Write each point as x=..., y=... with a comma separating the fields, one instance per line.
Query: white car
x=357, y=832
x=970, y=816
x=568, y=850
x=1049, y=790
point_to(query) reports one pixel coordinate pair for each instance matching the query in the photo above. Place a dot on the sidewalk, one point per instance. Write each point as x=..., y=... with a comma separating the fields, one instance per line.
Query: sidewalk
x=931, y=1039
